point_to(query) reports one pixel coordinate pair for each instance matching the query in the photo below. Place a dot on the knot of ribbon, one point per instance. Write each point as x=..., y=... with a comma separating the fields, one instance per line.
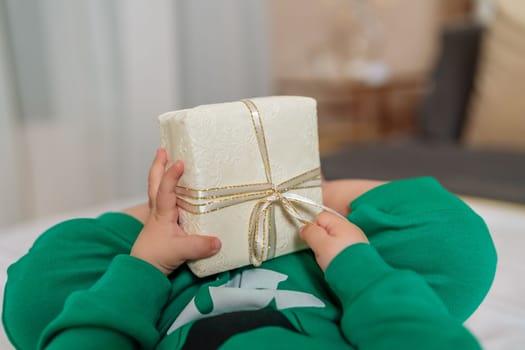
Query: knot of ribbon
x=261, y=230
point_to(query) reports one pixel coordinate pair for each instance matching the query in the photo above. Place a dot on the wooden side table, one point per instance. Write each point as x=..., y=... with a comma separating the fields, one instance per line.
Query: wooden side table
x=352, y=111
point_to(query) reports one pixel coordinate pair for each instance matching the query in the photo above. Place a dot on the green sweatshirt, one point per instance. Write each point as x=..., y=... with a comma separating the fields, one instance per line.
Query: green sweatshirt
x=429, y=264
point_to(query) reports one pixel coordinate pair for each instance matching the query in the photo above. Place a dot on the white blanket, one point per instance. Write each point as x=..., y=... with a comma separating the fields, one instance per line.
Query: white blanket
x=499, y=323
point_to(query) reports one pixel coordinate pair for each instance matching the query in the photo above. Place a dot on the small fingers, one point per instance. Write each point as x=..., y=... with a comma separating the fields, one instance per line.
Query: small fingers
x=155, y=175
x=314, y=235
x=329, y=236
x=328, y=221
x=340, y=228
x=166, y=195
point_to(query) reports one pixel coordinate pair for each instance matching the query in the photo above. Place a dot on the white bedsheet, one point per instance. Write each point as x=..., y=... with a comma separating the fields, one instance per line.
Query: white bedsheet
x=500, y=320
x=499, y=323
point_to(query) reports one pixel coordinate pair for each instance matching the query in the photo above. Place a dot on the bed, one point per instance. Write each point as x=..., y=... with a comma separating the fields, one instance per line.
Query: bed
x=499, y=323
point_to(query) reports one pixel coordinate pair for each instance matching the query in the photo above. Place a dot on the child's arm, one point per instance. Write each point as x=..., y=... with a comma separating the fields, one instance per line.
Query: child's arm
x=383, y=308
x=122, y=309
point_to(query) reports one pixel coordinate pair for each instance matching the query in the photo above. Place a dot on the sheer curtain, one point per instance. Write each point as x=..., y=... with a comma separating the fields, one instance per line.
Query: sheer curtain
x=82, y=82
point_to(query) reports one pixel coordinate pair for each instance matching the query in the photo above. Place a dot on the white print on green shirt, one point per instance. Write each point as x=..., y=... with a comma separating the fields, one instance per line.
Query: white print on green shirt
x=248, y=290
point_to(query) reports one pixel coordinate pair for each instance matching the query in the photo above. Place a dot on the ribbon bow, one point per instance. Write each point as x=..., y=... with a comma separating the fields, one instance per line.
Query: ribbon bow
x=261, y=231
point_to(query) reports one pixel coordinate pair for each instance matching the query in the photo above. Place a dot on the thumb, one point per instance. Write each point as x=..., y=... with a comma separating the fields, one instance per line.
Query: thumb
x=192, y=247
x=314, y=235
x=330, y=222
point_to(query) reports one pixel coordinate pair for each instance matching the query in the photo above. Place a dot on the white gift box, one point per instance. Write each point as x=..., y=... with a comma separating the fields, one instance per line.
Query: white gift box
x=251, y=176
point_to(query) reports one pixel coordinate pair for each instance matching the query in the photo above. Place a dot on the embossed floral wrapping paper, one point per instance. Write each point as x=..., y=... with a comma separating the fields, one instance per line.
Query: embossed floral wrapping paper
x=247, y=166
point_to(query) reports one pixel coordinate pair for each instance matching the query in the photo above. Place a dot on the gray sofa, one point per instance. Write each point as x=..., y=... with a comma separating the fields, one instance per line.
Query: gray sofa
x=437, y=150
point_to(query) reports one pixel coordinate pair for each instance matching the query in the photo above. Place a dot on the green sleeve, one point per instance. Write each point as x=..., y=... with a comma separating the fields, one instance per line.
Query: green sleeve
x=430, y=263
x=94, y=319
x=69, y=257
x=386, y=308
x=417, y=225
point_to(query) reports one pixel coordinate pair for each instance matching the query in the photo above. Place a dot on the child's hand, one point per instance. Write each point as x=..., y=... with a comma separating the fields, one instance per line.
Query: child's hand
x=162, y=242
x=329, y=235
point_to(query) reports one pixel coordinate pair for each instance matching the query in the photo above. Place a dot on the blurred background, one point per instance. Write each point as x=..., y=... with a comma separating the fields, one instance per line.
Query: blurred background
x=404, y=88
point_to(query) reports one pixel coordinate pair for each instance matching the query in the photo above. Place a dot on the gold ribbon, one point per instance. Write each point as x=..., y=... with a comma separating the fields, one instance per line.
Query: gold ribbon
x=261, y=230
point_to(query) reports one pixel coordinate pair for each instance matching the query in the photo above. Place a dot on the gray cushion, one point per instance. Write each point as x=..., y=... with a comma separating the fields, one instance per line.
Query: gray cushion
x=443, y=110
x=489, y=174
